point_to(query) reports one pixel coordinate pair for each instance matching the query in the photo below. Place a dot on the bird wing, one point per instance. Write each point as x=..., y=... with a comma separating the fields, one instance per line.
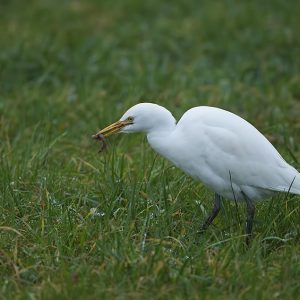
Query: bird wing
x=227, y=146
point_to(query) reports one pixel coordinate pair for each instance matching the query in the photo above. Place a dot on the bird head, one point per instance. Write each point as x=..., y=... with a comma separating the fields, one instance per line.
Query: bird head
x=143, y=117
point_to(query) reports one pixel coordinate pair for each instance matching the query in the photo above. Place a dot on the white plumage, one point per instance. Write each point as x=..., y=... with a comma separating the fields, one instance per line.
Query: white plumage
x=216, y=147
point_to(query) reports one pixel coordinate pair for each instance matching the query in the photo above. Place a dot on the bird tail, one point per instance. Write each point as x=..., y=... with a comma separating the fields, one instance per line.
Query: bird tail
x=292, y=185
x=295, y=185
x=287, y=179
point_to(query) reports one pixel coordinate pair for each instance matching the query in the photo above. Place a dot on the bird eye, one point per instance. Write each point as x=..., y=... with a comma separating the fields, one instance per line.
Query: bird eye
x=130, y=119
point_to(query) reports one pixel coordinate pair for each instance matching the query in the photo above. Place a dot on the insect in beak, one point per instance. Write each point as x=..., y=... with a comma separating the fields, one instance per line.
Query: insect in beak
x=109, y=130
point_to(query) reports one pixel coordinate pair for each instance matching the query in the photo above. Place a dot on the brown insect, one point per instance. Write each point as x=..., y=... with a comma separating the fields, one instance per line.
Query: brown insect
x=100, y=137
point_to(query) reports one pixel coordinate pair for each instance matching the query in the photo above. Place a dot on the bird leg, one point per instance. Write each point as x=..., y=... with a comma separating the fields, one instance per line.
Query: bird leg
x=213, y=214
x=250, y=216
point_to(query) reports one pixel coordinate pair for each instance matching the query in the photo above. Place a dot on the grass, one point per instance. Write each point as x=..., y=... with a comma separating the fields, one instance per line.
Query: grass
x=78, y=225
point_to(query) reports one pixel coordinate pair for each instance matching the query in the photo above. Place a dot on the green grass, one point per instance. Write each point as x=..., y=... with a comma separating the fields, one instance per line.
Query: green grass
x=75, y=224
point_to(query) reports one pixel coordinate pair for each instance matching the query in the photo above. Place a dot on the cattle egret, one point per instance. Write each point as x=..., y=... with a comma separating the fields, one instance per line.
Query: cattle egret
x=216, y=147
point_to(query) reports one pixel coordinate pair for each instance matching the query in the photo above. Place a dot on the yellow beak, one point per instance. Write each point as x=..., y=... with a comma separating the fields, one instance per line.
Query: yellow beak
x=111, y=129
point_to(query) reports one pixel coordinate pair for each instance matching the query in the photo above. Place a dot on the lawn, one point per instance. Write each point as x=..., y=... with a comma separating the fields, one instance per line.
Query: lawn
x=76, y=224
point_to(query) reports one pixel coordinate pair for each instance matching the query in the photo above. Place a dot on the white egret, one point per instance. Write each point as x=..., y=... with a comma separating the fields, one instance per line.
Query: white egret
x=216, y=147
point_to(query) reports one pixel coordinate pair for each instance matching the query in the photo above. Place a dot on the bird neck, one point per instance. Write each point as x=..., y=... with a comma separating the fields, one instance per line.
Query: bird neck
x=159, y=140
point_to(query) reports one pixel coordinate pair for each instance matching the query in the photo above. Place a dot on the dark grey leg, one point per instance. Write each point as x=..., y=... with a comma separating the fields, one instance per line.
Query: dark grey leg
x=250, y=216
x=214, y=213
